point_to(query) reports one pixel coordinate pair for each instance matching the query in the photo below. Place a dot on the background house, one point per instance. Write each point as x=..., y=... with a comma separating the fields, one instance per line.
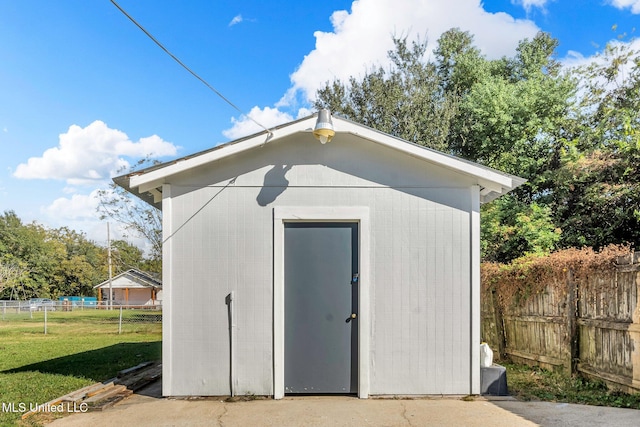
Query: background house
x=292, y=266
x=132, y=287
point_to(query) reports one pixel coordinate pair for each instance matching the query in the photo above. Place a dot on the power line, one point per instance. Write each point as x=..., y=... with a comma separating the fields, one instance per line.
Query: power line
x=160, y=45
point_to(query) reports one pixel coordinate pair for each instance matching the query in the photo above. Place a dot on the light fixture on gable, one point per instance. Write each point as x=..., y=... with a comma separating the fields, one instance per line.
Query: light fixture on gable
x=324, y=127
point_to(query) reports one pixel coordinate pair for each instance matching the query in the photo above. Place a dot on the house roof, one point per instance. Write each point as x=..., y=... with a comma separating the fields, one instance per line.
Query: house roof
x=147, y=183
x=131, y=279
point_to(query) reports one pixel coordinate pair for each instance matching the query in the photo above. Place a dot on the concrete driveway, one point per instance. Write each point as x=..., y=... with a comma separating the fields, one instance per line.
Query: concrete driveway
x=304, y=411
x=146, y=409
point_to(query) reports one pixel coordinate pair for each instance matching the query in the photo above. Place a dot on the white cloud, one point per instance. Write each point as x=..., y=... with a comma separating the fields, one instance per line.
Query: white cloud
x=267, y=117
x=78, y=212
x=236, y=20
x=529, y=4
x=78, y=207
x=634, y=5
x=90, y=154
x=70, y=190
x=575, y=59
x=304, y=112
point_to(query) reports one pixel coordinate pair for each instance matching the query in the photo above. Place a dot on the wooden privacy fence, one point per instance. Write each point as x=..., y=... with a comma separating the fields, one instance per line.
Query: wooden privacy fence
x=591, y=326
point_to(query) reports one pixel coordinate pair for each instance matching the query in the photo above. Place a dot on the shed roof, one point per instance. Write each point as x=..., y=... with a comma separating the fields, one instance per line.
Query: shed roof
x=147, y=183
x=132, y=279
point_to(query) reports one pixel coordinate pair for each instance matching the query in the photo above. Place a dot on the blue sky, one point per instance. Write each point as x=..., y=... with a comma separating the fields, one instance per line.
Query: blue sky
x=84, y=92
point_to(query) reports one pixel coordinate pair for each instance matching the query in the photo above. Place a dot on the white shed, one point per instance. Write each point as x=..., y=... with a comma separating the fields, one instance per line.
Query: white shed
x=291, y=266
x=131, y=288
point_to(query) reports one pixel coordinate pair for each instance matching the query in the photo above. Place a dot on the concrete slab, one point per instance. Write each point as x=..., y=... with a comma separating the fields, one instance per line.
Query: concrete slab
x=147, y=408
x=141, y=410
x=572, y=415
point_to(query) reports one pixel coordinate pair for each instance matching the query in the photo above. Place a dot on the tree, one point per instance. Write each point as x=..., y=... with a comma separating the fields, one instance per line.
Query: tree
x=511, y=228
x=596, y=196
x=10, y=275
x=137, y=217
x=83, y=266
x=407, y=101
x=39, y=262
x=507, y=114
x=460, y=64
x=511, y=116
x=30, y=248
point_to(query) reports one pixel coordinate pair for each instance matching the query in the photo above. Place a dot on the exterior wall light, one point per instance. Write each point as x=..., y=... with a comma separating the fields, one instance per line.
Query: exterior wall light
x=324, y=127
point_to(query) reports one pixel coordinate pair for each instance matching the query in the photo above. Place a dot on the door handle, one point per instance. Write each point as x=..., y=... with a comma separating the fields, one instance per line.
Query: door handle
x=350, y=318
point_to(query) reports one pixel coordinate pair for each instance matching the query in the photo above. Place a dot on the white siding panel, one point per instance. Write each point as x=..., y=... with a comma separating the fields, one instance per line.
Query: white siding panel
x=167, y=317
x=420, y=274
x=219, y=250
x=421, y=312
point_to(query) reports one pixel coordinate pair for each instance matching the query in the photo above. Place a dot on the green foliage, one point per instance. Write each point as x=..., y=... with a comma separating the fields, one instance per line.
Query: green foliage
x=459, y=63
x=597, y=198
x=511, y=228
x=596, y=194
x=34, y=252
x=529, y=383
x=407, y=101
x=506, y=114
x=574, y=134
x=510, y=118
x=125, y=256
x=81, y=266
x=40, y=262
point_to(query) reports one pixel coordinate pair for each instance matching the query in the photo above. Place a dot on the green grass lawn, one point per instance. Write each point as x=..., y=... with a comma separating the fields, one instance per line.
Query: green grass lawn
x=80, y=348
x=527, y=383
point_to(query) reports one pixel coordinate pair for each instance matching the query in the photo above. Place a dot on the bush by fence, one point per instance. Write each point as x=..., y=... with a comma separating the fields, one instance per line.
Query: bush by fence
x=575, y=310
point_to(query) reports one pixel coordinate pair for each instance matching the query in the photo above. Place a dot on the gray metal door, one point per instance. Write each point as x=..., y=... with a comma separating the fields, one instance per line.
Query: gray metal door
x=321, y=301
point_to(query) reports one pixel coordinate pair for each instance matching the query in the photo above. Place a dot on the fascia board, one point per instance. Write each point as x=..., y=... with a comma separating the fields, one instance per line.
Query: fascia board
x=133, y=283
x=497, y=179
x=153, y=179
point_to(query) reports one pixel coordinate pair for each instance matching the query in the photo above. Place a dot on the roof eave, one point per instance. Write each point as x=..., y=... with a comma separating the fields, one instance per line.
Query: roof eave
x=493, y=182
x=152, y=198
x=144, y=181
x=141, y=275
x=147, y=183
x=487, y=194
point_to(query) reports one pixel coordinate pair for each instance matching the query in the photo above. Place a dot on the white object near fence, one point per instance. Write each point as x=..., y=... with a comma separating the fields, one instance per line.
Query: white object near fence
x=120, y=322
x=486, y=355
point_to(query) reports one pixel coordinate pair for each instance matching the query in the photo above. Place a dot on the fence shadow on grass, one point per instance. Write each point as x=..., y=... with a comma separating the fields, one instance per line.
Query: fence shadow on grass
x=99, y=364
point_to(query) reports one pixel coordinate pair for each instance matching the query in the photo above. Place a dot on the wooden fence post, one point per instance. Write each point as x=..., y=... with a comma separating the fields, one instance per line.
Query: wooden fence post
x=500, y=336
x=572, y=326
x=634, y=330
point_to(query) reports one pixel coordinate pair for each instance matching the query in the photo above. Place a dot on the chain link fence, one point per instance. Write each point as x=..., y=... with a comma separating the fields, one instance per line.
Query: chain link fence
x=45, y=314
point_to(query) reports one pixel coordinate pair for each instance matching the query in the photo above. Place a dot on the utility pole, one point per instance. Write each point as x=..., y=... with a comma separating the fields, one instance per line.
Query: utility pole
x=110, y=274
